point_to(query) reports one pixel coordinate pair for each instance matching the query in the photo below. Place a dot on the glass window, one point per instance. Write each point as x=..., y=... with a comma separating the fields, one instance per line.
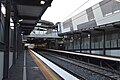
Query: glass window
x=106, y=7
x=90, y=14
x=116, y=6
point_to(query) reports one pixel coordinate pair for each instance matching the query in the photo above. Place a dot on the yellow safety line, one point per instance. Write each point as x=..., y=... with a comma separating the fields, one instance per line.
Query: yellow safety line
x=49, y=74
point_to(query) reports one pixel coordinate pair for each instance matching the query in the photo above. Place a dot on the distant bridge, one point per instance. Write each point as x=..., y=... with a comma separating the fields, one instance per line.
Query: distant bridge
x=53, y=35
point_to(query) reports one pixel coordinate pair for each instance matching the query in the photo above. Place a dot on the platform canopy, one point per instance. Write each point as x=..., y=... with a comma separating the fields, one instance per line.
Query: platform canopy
x=29, y=12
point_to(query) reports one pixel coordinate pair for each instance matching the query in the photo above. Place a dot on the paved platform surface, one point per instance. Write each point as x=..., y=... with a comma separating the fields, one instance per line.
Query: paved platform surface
x=16, y=71
x=32, y=70
x=35, y=69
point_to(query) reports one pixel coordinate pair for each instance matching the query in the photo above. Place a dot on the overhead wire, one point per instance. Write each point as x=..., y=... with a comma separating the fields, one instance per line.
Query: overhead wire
x=76, y=9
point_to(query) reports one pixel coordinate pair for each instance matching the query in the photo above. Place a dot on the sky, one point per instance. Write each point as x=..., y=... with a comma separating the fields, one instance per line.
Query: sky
x=60, y=9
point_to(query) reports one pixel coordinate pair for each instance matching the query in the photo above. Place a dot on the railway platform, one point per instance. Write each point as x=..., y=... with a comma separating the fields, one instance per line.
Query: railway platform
x=80, y=65
x=84, y=47
x=36, y=65
x=29, y=67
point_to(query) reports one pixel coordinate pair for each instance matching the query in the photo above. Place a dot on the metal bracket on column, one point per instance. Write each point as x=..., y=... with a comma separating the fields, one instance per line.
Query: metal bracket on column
x=99, y=29
x=116, y=25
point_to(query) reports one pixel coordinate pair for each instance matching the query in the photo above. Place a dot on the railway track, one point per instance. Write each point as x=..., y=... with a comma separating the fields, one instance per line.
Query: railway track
x=82, y=70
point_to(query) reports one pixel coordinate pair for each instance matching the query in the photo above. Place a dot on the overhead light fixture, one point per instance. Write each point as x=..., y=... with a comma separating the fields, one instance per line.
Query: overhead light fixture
x=3, y=9
x=42, y=2
x=117, y=0
x=89, y=35
x=18, y=23
x=12, y=27
x=20, y=20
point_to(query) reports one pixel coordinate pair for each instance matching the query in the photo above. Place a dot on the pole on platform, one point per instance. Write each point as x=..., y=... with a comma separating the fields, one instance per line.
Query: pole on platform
x=80, y=42
x=6, y=40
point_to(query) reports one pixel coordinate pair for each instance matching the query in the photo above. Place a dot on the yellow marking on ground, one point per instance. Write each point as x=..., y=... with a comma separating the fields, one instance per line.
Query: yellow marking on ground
x=47, y=72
